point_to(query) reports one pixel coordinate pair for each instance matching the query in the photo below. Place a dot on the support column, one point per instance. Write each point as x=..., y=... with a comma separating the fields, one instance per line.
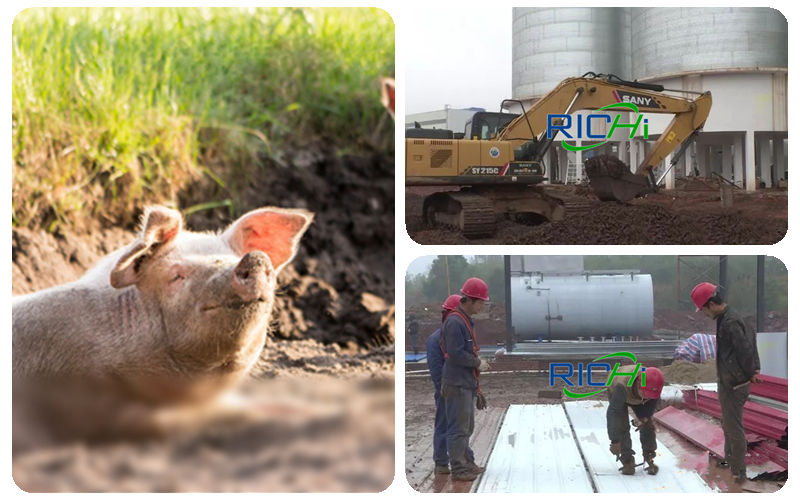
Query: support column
x=705, y=161
x=738, y=161
x=635, y=158
x=749, y=159
x=765, y=160
x=778, y=158
x=669, y=180
x=727, y=163
x=563, y=164
x=579, y=162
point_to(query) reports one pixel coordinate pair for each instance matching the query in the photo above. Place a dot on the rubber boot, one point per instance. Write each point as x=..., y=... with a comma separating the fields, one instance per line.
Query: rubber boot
x=628, y=466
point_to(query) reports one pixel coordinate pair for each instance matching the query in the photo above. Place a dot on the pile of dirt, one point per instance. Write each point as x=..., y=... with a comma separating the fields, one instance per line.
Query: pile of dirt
x=686, y=372
x=665, y=218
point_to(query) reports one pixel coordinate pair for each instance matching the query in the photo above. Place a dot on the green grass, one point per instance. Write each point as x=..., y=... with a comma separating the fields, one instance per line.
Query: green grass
x=116, y=107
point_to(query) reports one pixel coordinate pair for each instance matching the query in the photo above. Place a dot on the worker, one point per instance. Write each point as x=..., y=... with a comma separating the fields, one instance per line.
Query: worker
x=738, y=366
x=435, y=358
x=460, y=386
x=642, y=398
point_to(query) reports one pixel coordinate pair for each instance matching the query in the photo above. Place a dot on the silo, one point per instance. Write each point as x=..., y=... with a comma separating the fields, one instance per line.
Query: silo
x=675, y=41
x=565, y=307
x=550, y=44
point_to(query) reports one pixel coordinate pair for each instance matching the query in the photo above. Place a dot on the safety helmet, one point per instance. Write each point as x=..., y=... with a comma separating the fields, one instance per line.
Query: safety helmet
x=451, y=303
x=702, y=292
x=475, y=288
x=653, y=382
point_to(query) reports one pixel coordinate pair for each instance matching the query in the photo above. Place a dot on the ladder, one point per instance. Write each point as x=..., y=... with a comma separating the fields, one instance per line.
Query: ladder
x=572, y=173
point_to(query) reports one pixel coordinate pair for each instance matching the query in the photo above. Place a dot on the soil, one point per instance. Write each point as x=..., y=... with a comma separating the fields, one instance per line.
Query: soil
x=330, y=352
x=686, y=372
x=677, y=217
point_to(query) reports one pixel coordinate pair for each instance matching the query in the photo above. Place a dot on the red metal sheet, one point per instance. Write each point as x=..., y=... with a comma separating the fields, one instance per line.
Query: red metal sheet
x=773, y=452
x=772, y=387
x=756, y=417
x=710, y=437
x=698, y=431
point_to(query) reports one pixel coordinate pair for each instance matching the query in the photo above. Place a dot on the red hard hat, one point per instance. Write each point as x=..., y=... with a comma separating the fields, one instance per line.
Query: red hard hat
x=702, y=292
x=475, y=288
x=653, y=382
x=451, y=303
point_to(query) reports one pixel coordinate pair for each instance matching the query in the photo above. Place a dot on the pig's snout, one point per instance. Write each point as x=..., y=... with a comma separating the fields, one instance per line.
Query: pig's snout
x=250, y=276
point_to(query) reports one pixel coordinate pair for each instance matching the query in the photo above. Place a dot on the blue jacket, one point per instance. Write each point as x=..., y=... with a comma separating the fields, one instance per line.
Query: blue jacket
x=461, y=361
x=435, y=358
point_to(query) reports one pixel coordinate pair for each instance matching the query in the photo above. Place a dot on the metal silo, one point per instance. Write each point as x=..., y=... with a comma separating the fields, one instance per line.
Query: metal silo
x=672, y=41
x=560, y=307
x=550, y=44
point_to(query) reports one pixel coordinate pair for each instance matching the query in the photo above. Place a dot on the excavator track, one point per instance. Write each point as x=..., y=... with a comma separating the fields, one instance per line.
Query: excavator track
x=577, y=201
x=472, y=214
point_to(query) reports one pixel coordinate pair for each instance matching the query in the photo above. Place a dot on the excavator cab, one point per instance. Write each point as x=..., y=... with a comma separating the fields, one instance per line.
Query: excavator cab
x=486, y=125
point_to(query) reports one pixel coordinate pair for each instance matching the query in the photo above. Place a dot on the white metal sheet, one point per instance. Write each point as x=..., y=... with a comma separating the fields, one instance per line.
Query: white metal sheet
x=588, y=419
x=535, y=452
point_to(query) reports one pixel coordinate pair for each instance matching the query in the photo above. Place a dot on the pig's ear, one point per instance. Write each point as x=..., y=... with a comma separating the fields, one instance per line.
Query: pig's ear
x=274, y=231
x=160, y=227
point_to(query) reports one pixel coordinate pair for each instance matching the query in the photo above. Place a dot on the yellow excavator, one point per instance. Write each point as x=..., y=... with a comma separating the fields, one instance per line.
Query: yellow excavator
x=497, y=161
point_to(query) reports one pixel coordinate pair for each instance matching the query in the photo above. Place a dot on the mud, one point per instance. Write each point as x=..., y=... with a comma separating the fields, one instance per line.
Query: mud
x=324, y=383
x=678, y=217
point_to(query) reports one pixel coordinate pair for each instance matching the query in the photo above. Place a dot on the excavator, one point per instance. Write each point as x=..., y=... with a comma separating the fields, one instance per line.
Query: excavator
x=497, y=162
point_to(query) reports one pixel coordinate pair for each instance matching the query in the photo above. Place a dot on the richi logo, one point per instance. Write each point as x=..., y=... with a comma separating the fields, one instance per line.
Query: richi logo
x=596, y=364
x=628, y=101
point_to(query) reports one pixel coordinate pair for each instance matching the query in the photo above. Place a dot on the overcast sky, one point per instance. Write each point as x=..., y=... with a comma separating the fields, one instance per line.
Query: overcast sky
x=460, y=56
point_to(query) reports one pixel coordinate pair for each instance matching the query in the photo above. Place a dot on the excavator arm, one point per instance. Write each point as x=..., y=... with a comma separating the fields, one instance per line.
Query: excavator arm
x=612, y=94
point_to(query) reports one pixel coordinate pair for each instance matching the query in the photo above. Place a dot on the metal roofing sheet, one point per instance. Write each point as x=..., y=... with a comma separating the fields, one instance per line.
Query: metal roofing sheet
x=772, y=387
x=710, y=437
x=535, y=452
x=588, y=419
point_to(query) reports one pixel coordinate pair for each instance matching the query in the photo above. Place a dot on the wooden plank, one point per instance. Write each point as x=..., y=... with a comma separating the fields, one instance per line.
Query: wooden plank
x=419, y=454
x=535, y=452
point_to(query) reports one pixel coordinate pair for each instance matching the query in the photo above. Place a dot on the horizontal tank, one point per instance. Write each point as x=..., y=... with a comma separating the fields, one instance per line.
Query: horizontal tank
x=565, y=307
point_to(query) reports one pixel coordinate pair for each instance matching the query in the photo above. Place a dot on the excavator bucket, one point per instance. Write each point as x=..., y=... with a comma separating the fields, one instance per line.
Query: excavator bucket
x=612, y=180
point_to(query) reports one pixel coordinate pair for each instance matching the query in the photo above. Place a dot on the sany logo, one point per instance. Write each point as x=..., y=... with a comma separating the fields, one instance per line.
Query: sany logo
x=564, y=122
x=565, y=377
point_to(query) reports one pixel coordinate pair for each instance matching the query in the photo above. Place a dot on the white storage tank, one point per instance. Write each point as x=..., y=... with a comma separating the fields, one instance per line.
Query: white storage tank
x=565, y=307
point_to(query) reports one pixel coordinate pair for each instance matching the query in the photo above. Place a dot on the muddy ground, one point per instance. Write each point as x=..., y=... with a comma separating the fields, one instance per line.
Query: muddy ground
x=325, y=378
x=690, y=215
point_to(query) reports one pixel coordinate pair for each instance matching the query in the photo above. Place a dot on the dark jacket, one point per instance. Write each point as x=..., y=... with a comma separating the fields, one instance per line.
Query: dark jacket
x=620, y=397
x=435, y=358
x=461, y=361
x=737, y=351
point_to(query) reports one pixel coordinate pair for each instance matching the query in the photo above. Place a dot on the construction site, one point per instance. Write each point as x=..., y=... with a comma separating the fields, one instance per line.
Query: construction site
x=563, y=310
x=653, y=136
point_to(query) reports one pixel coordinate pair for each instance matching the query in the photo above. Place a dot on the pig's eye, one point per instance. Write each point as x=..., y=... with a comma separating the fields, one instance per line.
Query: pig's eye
x=176, y=277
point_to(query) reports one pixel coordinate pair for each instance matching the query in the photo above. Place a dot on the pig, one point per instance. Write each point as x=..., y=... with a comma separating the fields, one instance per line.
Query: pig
x=176, y=317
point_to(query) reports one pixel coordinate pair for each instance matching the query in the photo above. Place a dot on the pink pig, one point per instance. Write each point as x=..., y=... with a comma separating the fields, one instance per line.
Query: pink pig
x=174, y=317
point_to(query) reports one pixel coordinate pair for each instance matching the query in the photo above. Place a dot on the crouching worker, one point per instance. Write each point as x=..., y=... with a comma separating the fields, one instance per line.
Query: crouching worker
x=642, y=398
